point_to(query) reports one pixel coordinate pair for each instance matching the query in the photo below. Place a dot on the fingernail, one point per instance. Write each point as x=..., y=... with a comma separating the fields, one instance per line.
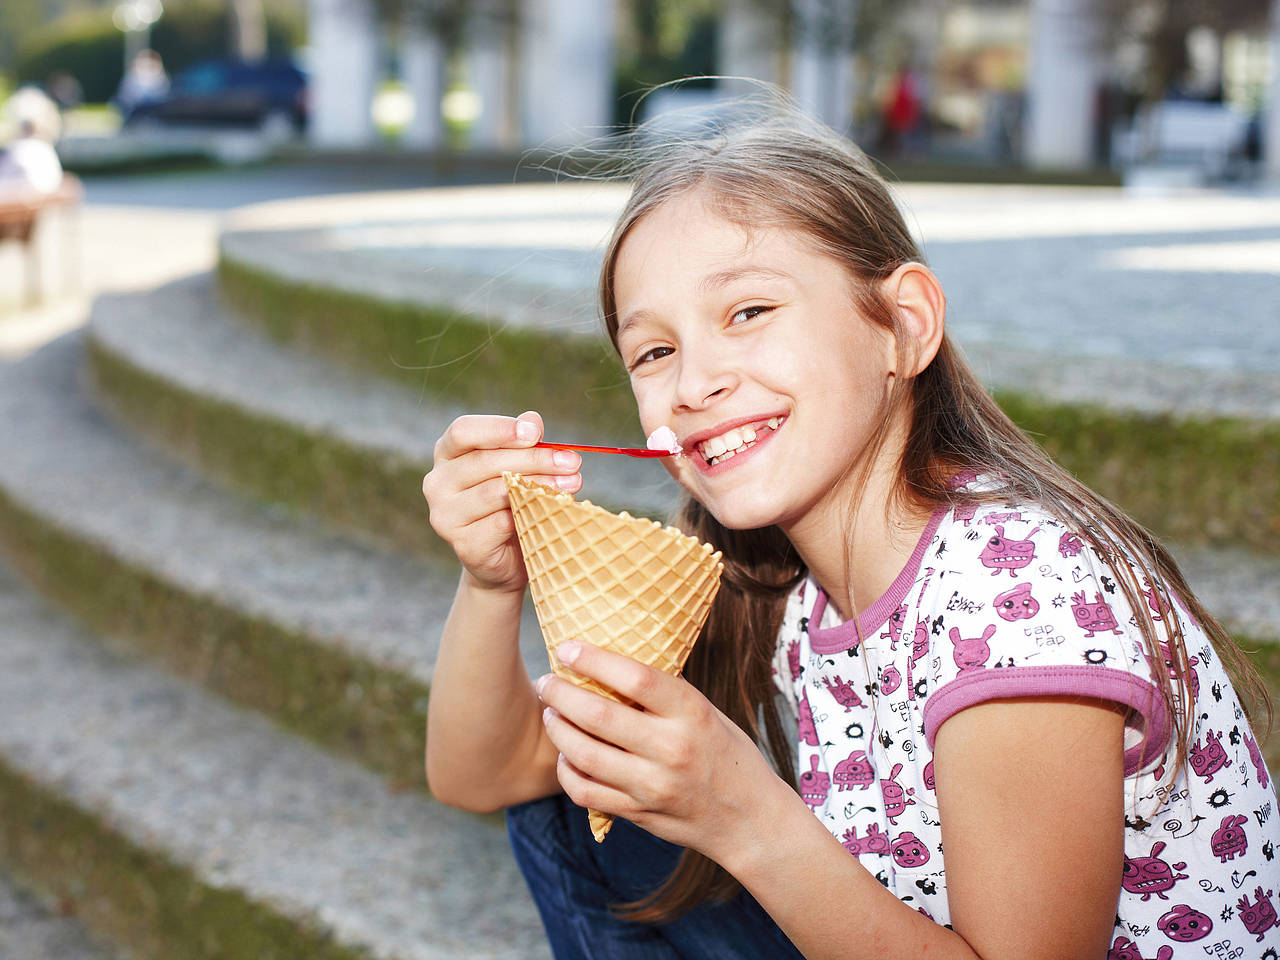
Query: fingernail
x=542, y=683
x=568, y=651
x=563, y=458
x=568, y=483
x=547, y=715
x=526, y=430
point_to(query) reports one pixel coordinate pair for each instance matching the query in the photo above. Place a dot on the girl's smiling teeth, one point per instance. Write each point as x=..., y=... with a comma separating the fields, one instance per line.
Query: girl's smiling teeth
x=732, y=442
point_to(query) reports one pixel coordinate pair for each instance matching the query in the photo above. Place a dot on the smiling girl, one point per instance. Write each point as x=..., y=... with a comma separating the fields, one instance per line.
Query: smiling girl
x=929, y=638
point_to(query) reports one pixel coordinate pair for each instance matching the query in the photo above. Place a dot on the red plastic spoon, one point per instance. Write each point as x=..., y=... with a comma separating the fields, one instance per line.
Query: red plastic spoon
x=625, y=451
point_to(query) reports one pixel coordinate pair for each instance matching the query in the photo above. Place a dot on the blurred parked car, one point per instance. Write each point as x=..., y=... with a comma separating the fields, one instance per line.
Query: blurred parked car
x=270, y=95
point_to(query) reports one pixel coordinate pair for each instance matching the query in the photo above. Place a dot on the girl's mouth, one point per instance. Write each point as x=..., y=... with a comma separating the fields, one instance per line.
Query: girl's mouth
x=737, y=440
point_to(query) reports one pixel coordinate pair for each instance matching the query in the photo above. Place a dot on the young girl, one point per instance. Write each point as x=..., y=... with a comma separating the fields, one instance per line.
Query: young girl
x=1012, y=727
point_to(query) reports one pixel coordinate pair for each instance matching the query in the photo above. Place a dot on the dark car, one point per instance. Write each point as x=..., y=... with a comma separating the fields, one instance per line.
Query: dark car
x=268, y=94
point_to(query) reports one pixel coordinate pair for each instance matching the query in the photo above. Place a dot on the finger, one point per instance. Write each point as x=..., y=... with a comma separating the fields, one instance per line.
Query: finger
x=616, y=723
x=588, y=792
x=598, y=760
x=480, y=465
x=652, y=689
x=480, y=432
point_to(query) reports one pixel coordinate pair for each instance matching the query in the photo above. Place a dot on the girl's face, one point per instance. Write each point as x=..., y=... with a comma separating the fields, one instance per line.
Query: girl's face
x=735, y=336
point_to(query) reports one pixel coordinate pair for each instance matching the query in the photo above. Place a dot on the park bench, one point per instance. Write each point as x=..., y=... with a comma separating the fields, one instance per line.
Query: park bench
x=20, y=213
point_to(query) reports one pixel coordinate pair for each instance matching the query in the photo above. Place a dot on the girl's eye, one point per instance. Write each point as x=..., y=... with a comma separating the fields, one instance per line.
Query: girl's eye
x=654, y=354
x=748, y=313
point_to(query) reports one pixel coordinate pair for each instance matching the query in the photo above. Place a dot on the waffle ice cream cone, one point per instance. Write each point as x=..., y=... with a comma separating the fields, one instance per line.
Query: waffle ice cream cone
x=624, y=583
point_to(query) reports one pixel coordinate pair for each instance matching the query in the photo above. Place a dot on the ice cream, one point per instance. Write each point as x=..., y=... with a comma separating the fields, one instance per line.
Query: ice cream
x=664, y=438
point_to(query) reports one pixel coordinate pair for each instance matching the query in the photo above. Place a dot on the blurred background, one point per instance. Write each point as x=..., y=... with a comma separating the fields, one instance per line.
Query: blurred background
x=255, y=255
x=1108, y=86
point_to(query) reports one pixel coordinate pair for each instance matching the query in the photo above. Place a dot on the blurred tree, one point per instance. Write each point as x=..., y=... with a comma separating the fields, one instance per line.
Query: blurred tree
x=1161, y=27
x=451, y=22
x=18, y=20
x=660, y=41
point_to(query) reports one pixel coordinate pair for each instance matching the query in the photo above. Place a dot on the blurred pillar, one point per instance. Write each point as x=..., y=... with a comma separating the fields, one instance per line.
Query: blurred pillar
x=1271, y=122
x=566, y=64
x=489, y=70
x=822, y=66
x=343, y=68
x=1064, y=71
x=422, y=64
x=748, y=41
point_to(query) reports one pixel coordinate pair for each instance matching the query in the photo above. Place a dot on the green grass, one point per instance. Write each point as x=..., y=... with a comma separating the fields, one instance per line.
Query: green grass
x=137, y=897
x=339, y=700
x=1212, y=482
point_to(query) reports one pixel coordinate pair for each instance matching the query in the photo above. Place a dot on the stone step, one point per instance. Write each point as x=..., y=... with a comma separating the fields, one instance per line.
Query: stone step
x=334, y=639
x=291, y=428
x=31, y=929
x=177, y=824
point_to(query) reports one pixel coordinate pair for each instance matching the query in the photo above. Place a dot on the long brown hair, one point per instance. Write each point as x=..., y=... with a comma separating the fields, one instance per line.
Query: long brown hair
x=776, y=167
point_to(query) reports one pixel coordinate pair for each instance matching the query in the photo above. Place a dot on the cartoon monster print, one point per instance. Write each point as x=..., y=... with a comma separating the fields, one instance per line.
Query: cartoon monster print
x=814, y=785
x=843, y=692
x=1259, y=916
x=1070, y=544
x=1126, y=949
x=1016, y=604
x=1155, y=601
x=793, y=659
x=909, y=851
x=890, y=679
x=1151, y=876
x=928, y=775
x=1229, y=840
x=965, y=512
x=1255, y=757
x=1093, y=617
x=806, y=728
x=876, y=841
x=1183, y=924
x=893, y=629
x=1193, y=678
x=962, y=478
x=1208, y=759
x=971, y=653
x=1003, y=553
x=991, y=519
x=896, y=800
x=854, y=770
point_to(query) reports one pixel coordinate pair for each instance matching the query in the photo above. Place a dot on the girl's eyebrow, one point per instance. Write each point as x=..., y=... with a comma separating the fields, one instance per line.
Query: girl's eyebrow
x=710, y=283
x=715, y=281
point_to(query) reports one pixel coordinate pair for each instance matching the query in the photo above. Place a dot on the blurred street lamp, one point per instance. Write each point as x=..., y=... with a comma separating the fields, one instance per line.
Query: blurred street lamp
x=134, y=19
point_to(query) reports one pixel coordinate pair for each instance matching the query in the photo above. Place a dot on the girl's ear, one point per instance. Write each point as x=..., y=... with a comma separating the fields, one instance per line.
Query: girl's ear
x=917, y=296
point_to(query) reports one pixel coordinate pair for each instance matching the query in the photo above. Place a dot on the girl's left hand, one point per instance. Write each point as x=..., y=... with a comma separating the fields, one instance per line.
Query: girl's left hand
x=678, y=768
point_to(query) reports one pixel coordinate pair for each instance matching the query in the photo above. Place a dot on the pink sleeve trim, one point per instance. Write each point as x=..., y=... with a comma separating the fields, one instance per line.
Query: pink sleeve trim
x=1082, y=680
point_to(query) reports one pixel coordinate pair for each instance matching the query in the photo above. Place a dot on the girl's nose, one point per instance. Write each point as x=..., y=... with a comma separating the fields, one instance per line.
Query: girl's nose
x=702, y=380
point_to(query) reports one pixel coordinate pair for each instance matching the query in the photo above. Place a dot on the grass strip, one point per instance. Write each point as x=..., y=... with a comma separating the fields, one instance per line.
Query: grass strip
x=137, y=897
x=1205, y=482
x=348, y=705
x=372, y=494
x=442, y=353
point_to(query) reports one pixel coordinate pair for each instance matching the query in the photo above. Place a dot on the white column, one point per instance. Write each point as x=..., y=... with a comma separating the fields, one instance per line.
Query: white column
x=1271, y=120
x=422, y=70
x=748, y=42
x=343, y=67
x=1064, y=71
x=566, y=62
x=822, y=65
x=488, y=67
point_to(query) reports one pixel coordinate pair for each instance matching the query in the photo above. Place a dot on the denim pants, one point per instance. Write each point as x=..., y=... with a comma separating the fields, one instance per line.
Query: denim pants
x=574, y=880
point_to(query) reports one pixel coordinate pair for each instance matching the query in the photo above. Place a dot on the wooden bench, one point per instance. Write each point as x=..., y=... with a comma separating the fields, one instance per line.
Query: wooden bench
x=21, y=210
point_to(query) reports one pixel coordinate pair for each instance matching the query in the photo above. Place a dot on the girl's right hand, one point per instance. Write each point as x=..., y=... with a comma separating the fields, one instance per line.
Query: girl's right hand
x=468, y=500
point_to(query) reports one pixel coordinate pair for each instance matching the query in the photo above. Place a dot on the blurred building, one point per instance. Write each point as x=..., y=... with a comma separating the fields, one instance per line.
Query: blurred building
x=1041, y=82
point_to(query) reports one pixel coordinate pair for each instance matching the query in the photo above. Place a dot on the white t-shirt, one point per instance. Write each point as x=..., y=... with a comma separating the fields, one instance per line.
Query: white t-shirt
x=33, y=162
x=1005, y=601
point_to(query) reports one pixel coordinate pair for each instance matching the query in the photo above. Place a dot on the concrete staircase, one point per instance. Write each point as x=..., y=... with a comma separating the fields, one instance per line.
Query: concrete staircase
x=222, y=600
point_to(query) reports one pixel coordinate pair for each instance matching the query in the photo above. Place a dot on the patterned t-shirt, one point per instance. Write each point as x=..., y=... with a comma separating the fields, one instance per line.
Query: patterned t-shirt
x=1006, y=601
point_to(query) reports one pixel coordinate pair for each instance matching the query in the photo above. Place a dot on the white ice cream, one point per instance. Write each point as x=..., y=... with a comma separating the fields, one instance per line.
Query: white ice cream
x=664, y=438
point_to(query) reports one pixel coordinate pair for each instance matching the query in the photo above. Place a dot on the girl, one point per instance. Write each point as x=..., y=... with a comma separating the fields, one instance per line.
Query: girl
x=1014, y=732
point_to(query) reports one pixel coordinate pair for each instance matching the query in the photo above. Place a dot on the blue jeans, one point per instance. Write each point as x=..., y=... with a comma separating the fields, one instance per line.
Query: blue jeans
x=574, y=880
